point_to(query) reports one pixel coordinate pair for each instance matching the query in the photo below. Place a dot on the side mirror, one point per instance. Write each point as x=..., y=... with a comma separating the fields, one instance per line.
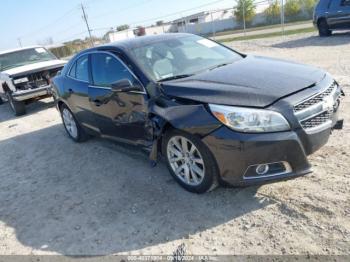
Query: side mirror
x=124, y=85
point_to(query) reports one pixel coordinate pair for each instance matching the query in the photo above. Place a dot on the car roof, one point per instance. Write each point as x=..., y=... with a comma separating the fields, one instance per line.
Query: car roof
x=19, y=49
x=128, y=44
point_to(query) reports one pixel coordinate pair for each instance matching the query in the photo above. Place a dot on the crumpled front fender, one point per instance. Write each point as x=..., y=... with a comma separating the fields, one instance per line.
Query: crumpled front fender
x=191, y=118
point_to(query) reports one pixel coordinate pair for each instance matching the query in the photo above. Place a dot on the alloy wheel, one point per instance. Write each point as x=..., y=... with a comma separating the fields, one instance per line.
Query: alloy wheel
x=69, y=123
x=185, y=160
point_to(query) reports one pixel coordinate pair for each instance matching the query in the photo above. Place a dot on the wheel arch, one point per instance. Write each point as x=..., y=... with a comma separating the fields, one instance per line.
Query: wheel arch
x=61, y=102
x=192, y=119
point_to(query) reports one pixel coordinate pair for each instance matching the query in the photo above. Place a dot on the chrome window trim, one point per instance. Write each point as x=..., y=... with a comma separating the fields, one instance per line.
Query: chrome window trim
x=100, y=87
x=143, y=91
x=110, y=89
x=82, y=81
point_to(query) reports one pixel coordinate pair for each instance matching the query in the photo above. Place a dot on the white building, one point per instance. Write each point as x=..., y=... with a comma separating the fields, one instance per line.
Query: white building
x=204, y=17
x=202, y=23
x=121, y=35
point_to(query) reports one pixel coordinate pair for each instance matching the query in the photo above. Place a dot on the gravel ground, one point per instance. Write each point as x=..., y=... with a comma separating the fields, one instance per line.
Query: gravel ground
x=58, y=197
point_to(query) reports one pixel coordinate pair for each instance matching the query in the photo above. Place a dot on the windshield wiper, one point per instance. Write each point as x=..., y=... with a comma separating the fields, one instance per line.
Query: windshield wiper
x=175, y=77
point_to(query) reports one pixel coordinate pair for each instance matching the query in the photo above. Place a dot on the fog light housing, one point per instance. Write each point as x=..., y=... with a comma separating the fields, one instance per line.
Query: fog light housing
x=262, y=169
x=267, y=170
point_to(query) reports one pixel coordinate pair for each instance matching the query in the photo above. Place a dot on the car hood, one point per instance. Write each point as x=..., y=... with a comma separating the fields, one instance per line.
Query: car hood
x=253, y=81
x=34, y=67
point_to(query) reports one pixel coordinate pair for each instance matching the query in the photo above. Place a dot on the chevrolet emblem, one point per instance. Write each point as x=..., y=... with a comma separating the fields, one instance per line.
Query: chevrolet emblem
x=328, y=104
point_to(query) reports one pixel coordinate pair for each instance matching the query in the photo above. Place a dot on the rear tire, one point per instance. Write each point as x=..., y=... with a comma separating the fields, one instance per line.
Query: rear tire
x=193, y=166
x=323, y=28
x=72, y=126
x=18, y=107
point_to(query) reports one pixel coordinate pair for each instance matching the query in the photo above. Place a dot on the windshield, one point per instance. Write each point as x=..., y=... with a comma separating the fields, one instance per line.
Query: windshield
x=24, y=57
x=181, y=57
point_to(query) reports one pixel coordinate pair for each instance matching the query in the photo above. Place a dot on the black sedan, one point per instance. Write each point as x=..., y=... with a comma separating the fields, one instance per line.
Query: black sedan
x=216, y=115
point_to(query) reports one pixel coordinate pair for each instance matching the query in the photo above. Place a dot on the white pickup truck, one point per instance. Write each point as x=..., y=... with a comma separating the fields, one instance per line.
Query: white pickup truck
x=25, y=76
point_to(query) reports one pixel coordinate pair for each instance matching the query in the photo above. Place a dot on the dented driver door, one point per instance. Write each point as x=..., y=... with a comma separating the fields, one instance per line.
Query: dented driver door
x=119, y=115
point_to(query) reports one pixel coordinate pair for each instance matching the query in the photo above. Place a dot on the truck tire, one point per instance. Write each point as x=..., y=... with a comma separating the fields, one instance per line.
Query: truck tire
x=1, y=101
x=323, y=28
x=18, y=107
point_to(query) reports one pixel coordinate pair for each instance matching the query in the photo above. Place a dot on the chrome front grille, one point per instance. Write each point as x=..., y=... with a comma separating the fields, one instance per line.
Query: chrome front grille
x=316, y=121
x=316, y=99
x=316, y=112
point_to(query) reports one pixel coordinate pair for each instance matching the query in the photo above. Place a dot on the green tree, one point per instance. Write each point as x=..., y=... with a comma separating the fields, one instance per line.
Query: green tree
x=308, y=6
x=273, y=12
x=246, y=9
x=292, y=10
x=122, y=27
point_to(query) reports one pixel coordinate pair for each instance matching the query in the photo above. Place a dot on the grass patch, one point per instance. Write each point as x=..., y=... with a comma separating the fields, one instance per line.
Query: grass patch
x=251, y=37
x=261, y=27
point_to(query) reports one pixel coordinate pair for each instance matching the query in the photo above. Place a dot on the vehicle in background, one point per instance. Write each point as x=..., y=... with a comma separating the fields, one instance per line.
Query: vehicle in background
x=332, y=15
x=213, y=113
x=25, y=76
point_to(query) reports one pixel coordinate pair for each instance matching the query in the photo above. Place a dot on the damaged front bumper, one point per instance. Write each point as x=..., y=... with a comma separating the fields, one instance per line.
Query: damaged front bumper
x=249, y=159
x=22, y=95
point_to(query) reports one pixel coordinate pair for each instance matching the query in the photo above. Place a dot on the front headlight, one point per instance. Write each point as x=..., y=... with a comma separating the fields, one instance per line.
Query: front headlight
x=250, y=120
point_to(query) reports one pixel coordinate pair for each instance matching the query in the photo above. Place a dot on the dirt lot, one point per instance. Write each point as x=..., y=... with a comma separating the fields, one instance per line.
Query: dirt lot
x=58, y=197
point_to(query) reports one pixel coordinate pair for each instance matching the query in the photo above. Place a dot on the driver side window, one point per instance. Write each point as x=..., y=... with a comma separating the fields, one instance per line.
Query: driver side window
x=106, y=70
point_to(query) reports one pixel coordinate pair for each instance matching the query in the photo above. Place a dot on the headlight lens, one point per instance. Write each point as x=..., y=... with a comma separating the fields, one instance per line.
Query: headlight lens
x=250, y=120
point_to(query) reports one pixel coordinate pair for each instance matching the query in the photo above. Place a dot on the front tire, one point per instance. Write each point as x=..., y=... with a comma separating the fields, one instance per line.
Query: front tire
x=323, y=28
x=190, y=162
x=18, y=107
x=72, y=126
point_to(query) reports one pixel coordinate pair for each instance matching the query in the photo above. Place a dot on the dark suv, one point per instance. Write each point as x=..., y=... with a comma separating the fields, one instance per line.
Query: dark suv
x=332, y=15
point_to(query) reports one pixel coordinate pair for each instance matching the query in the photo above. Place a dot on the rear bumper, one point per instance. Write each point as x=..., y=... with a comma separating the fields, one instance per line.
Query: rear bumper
x=32, y=93
x=238, y=154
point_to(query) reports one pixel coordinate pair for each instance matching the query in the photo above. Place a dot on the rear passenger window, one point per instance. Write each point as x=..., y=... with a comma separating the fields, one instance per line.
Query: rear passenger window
x=82, y=69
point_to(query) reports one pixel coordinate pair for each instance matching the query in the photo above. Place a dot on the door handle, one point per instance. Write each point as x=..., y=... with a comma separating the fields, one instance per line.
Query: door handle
x=340, y=11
